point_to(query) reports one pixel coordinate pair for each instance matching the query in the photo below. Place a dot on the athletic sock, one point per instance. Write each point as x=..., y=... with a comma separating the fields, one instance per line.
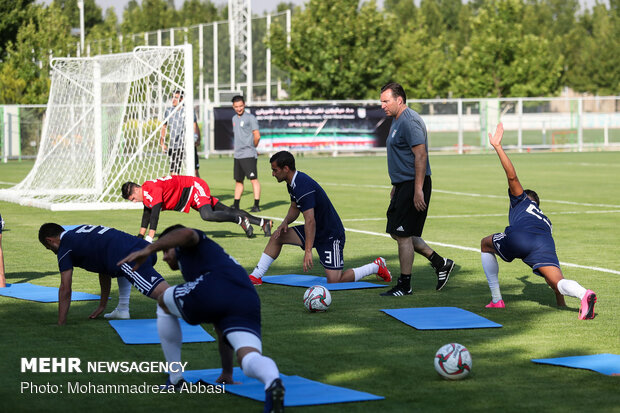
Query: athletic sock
x=170, y=336
x=491, y=270
x=365, y=270
x=436, y=260
x=124, y=291
x=236, y=203
x=571, y=288
x=263, y=265
x=256, y=202
x=404, y=281
x=257, y=366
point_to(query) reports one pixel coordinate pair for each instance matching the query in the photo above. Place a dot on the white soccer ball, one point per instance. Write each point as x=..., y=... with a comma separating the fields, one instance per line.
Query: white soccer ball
x=453, y=361
x=317, y=298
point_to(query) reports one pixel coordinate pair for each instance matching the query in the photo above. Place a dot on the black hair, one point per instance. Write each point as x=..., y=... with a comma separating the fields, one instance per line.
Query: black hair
x=238, y=98
x=282, y=159
x=170, y=229
x=533, y=196
x=49, y=230
x=397, y=90
x=128, y=188
x=180, y=93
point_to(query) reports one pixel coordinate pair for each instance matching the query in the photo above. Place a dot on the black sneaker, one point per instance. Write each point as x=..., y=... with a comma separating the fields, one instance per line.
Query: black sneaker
x=255, y=208
x=247, y=227
x=398, y=291
x=274, y=397
x=267, y=224
x=443, y=273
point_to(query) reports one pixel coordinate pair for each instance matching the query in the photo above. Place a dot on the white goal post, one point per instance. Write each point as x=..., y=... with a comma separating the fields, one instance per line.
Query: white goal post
x=102, y=127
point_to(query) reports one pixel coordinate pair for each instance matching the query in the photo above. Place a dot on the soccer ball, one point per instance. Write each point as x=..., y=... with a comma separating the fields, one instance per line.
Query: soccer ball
x=317, y=299
x=453, y=361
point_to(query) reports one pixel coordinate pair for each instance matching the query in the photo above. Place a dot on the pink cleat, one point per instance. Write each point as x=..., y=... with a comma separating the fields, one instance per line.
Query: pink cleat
x=256, y=280
x=586, y=311
x=499, y=304
x=383, y=272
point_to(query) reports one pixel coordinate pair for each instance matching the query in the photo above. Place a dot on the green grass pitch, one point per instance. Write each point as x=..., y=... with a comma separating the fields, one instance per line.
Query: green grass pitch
x=354, y=344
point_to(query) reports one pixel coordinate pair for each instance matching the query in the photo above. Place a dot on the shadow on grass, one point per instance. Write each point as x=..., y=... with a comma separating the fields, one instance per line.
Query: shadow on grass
x=24, y=277
x=540, y=293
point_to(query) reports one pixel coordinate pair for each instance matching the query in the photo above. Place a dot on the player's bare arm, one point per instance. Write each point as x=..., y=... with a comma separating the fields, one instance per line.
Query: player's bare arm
x=162, y=138
x=256, y=136
x=291, y=216
x=182, y=237
x=310, y=232
x=496, y=142
x=105, y=282
x=419, y=151
x=64, y=296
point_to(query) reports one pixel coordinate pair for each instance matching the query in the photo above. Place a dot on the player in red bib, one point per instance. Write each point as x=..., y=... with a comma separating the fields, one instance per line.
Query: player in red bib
x=180, y=193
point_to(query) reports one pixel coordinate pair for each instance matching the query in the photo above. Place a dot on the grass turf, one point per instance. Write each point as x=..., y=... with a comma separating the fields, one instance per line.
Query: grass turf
x=354, y=344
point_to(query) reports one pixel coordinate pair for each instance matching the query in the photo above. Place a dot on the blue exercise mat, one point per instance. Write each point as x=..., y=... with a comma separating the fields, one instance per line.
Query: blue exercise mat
x=144, y=331
x=440, y=318
x=33, y=292
x=299, y=391
x=296, y=280
x=606, y=363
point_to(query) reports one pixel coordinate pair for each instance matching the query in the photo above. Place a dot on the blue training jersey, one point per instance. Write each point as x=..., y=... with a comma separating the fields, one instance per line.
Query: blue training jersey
x=208, y=257
x=307, y=194
x=96, y=248
x=524, y=215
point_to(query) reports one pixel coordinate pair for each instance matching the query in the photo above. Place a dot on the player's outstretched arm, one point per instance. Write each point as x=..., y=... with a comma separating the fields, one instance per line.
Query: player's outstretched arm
x=64, y=296
x=310, y=233
x=496, y=142
x=105, y=282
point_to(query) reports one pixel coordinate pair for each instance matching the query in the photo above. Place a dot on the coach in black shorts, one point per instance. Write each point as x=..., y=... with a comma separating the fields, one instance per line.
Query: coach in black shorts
x=407, y=156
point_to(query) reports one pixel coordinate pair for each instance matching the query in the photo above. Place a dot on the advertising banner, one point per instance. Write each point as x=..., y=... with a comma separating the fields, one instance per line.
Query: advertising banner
x=309, y=127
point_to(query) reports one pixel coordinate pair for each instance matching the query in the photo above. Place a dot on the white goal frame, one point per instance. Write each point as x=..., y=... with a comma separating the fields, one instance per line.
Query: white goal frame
x=102, y=127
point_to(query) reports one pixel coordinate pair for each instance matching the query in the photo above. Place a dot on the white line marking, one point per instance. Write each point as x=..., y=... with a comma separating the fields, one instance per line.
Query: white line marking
x=471, y=194
x=613, y=211
x=7, y=183
x=460, y=247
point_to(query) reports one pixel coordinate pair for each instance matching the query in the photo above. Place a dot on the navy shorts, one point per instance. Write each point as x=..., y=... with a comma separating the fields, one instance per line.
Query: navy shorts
x=536, y=250
x=330, y=251
x=221, y=300
x=145, y=279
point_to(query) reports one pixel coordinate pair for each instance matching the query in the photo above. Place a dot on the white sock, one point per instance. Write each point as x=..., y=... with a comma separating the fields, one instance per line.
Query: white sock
x=170, y=336
x=365, y=270
x=571, y=288
x=257, y=366
x=491, y=270
x=263, y=265
x=124, y=290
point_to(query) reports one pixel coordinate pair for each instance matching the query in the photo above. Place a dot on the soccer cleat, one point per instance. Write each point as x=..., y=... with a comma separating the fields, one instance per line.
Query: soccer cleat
x=256, y=280
x=586, y=310
x=246, y=226
x=274, y=397
x=499, y=304
x=267, y=225
x=177, y=386
x=383, y=271
x=443, y=273
x=398, y=290
x=255, y=208
x=117, y=314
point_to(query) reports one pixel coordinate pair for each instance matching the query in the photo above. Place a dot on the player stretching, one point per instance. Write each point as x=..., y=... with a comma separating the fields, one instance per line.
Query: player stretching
x=180, y=193
x=218, y=291
x=528, y=237
x=97, y=249
x=323, y=229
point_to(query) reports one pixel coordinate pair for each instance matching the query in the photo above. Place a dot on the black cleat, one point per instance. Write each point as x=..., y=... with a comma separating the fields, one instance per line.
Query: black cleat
x=397, y=291
x=443, y=273
x=247, y=227
x=267, y=225
x=274, y=397
x=255, y=208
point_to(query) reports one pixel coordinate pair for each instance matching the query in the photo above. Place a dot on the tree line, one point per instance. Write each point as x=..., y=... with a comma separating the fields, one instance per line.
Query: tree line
x=341, y=49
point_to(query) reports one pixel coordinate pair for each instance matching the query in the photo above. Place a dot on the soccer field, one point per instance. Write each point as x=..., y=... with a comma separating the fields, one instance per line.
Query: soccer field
x=354, y=344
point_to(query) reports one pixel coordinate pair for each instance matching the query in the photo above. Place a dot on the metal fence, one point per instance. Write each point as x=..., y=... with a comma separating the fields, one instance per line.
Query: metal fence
x=454, y=125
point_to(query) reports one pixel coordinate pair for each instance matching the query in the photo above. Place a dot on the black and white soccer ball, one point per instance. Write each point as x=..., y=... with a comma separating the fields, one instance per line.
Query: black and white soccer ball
x=453, y=361
x=317, y=299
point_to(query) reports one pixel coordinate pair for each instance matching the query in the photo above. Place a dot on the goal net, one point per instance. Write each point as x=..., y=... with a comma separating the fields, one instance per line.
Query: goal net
x=103, y=126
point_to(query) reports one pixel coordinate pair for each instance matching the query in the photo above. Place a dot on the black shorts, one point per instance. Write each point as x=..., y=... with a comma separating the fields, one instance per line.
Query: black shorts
x=196, y=158
x=245, y=168
x=403, y=220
